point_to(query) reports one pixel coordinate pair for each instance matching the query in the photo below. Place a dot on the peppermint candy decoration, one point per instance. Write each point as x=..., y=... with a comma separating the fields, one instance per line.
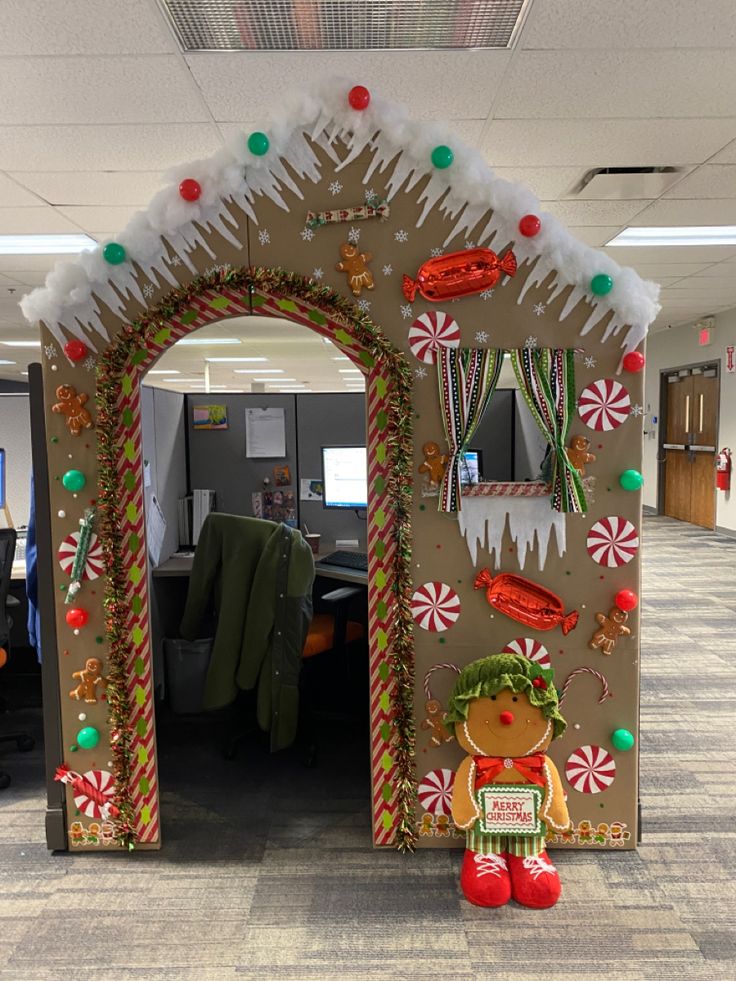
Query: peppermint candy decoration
x=612, y=541
x=93, y=567
x=532, y=649
x=604, y=405
x=435, y=606
x=590, y=769
x=430, y=332
x=435, y=791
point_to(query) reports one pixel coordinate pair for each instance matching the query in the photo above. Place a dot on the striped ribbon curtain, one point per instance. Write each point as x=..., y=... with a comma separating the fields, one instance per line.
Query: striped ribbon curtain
x=547, y=380
x=467, y=378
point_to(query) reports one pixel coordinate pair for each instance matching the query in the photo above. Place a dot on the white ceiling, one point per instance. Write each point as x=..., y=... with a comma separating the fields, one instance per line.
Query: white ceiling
x=97, y=100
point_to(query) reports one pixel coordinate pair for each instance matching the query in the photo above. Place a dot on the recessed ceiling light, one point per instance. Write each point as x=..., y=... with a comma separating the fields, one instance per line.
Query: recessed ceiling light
x=278, y=381
x=350, y=371
x=677, y=235
x=182, y=381
x=3, y=361
x=258, y=371
x=223, y=360
x=210, y=340
x=21, y=343
x=164, y=371
x=342, y=357
x=44, y=244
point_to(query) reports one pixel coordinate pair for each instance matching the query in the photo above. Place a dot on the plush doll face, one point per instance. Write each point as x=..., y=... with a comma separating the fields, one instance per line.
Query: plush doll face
x=504, y=725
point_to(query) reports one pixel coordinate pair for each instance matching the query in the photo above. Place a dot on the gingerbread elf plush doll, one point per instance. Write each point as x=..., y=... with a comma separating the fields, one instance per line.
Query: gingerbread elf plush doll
x=507, y=792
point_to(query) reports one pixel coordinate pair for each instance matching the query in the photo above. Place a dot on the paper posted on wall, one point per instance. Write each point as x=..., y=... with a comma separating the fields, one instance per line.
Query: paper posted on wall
x=265, y=433
x=155, y=530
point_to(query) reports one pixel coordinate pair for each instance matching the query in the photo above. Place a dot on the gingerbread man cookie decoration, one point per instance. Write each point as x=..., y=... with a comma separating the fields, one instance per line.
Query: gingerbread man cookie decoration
x=435, y=463
x=611, y=628
x=435, y=722
x=71, y=406
x=89, y=680
x=578, y=455
x=354, y=264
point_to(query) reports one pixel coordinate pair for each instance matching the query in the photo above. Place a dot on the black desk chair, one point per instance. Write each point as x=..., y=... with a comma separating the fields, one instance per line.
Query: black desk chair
x=8, y=537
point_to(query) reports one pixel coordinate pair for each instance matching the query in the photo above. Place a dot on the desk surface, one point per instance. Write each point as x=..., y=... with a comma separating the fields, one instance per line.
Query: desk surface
x=181, y=565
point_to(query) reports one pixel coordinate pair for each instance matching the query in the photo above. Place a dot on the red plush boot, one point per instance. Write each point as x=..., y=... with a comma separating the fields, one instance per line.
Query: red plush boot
x=485, y=879
x=534, y=881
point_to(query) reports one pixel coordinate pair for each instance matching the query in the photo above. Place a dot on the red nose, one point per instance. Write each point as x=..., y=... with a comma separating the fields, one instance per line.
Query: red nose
x=506, y=718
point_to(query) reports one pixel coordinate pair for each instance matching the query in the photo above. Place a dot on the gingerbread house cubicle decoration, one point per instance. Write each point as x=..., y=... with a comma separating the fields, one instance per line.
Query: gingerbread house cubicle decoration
x=399, y=244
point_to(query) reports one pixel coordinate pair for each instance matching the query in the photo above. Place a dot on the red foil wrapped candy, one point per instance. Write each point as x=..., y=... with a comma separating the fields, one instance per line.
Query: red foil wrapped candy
x=458, y=274
x=525, y=601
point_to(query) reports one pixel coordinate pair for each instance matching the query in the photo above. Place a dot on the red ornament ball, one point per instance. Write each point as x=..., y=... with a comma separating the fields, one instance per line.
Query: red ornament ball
x=530, y=225
x=76, y=350
x=77, y=617
x=359, y=97
x=190, y=189
x=626, y=600
x=539, y=683
x=634, y=361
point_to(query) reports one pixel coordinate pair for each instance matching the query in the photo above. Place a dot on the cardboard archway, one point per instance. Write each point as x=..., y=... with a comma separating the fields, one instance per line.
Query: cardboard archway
x=263, y=235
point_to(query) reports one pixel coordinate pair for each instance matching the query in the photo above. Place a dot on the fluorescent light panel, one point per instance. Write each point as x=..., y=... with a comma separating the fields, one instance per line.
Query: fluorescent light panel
x=258, y=371
x=350, y=371
x=677, y=235
x=210, y=340
x=182, y=381
x=233, y=360
x=3, y=361
x=45, y=244
x=164, y=371
x=21, y=343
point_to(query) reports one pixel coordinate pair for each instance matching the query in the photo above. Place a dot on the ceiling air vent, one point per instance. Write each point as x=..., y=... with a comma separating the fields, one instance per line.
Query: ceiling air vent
x=335, y=25
x=626, y=183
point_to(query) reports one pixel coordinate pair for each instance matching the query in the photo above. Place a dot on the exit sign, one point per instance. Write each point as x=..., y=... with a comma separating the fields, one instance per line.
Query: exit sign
x=705, y=336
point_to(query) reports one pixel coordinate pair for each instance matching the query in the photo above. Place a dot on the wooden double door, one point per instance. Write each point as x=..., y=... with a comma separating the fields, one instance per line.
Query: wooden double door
x=689, y=448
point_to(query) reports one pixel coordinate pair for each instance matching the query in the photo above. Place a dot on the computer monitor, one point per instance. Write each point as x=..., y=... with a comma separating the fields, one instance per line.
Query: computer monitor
x=344, y=477
x=471, y=467
x=2, y=478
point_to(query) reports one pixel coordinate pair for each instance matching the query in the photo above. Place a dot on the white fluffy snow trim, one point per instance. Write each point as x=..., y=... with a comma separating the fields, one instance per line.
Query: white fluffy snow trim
x=465, y=192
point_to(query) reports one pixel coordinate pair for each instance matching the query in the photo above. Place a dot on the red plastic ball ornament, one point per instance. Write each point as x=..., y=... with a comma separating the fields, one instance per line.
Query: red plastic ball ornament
x=359, y=97
x=626, y=600
x=76, y=350
x=190, y=189
x=529, y=226
x=634, y=361
x=77, y=617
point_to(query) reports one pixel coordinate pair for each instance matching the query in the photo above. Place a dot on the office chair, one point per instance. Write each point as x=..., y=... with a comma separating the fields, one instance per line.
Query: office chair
x=8, y=537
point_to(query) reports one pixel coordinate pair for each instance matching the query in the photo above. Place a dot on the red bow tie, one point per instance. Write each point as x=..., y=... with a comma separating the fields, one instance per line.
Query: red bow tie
x=487, y=768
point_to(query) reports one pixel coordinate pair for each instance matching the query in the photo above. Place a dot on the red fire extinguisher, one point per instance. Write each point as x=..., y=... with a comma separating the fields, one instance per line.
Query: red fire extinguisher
x=723, y=469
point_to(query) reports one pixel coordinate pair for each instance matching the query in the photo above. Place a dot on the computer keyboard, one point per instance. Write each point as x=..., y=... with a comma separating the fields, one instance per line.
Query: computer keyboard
x=348, y=560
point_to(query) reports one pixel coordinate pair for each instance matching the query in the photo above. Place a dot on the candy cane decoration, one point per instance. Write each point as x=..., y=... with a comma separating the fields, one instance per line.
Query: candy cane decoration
x=92, y=792
x=606, y=692
x=437, y=667
x=358, y=213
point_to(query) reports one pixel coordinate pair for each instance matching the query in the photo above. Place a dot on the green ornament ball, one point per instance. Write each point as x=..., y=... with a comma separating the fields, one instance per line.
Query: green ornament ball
x=258, y=144
x=114, y=253
x=601, y=284
x=622, y=740
x=88, y=737
x=631, y=480
x=442, y=157
x=74, y=480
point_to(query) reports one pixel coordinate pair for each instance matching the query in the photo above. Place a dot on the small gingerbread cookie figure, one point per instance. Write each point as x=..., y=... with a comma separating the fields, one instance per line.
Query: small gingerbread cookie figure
x=442, y=827
x=435, y=722
x=89, y=680
x=578, y=455
x=426, y=827
x=611, y=628
x=354, y=264
x=507, y=793
x=435, y=464
x=71, y=406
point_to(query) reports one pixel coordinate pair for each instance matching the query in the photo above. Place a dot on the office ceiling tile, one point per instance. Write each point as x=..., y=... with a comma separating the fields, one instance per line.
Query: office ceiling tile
x=646, y=255
x=73, y=27
x=718, y=211
x=243, y=85
x=585, y=212
x=97, y=220
x=94, y=90
x=726, y=156
x=565, y=24
x=112, y=147
x=593, y=235
x=548, y=183
x=34, y=221
x=90, y=187
x=604, y=143
x=708, y=181
x=650, y=269
x=12, y=195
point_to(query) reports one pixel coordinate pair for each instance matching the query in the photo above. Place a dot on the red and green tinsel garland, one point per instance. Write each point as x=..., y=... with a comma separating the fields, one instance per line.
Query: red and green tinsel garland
x=111, y=367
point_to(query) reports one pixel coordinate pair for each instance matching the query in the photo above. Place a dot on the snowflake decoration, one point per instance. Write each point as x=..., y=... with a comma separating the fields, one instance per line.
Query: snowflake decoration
x=364, y=305
x=481, y=337
x=89, y=363
x=148, y=291
x=470, y=245
x=307, y=234
x=486, y=294
x=637, y=410
x=175, y=260
x=335, y=188
x=590, y=362
x=406, y=311
x=317, y=273
x=436, y=252
x=401, y=235
x=354, y=236
x=370, y=194
x=420, y=372
x=530, y=342
x=263, y=237
x=539, y=309
x=51, y=352
x=387, y=270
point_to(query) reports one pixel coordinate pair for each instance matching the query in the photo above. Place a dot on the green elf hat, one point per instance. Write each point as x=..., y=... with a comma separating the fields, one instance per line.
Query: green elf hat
x=489, y=675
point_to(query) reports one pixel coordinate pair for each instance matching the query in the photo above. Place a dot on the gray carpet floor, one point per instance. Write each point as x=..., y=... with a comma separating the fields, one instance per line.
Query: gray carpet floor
x=267, y=872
